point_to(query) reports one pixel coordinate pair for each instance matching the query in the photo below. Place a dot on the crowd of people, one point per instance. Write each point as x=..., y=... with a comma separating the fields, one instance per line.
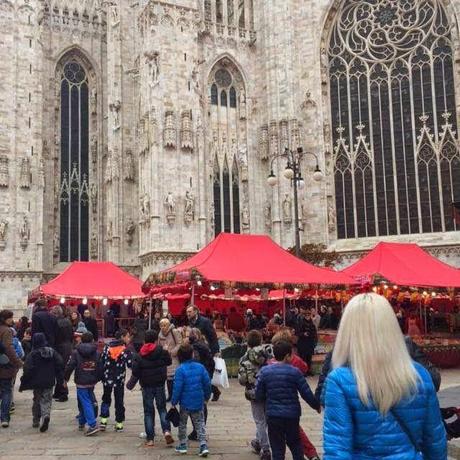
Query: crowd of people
x=377, y=390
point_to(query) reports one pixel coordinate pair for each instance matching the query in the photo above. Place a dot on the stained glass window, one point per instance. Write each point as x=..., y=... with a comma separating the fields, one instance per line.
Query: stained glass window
x=396, y=159
x=73, y=194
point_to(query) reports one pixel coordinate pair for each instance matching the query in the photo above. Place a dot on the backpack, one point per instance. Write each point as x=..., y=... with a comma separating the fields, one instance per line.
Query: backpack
x=251, y=363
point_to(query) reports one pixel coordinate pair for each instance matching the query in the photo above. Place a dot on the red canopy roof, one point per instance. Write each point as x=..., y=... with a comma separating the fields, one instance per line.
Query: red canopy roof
x=255, y=259
x=404, y=264
x=92, y=280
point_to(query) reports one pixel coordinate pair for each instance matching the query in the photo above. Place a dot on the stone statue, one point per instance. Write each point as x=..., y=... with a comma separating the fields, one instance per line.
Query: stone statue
x=41, y=173
x=242, y=104
x=110, y=231
x=94, y=250
x=3, y=233
x=114, y=12
x=153, y=68
x=331, y=216
x=189, y=208
x=130, y=229
x=224, y=150
x=287, y=209
x=4, y=171
x=93, y=148
x=268, y=215
x=214, y=144
x=115, y=108
x=93, y=196
x=24, y=232
x=130, y=170
x=93, y=101
x=245, y=216
x=263, y=143
x=243, y=160
x=170, y=204
x=308, y=102
x=25, y=173
x=56, y=244
x=145, y=207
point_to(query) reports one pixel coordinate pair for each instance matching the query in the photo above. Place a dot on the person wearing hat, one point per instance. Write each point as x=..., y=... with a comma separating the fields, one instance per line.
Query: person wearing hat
x=307, y=336
x=43, y=369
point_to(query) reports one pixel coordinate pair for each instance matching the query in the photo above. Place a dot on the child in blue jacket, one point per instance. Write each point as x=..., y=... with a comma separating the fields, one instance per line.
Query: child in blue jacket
x=192, y=388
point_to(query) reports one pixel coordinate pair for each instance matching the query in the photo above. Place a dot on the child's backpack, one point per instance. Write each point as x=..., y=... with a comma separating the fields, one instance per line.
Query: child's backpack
x=251, y=363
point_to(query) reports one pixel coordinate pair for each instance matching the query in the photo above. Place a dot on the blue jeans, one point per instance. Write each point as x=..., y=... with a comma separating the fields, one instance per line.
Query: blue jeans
x=6, y=395
x=86, y=400
x=149, y=396
x=282, y=432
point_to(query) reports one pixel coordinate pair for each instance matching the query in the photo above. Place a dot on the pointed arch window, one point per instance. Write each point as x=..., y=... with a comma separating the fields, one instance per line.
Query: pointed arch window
x=73, y=193
x=391, y=77
x=217, y=193
x=214, y=96
x=236, y=197
x=223, y=98
x=232, y=98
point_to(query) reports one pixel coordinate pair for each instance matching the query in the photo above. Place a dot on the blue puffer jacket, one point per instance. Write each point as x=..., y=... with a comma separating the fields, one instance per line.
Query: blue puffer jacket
x=192, y=386
x=353, y=431
x=278, y=385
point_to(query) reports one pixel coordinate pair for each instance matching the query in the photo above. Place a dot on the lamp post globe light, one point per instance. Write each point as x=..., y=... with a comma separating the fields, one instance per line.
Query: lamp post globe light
x=293, y=173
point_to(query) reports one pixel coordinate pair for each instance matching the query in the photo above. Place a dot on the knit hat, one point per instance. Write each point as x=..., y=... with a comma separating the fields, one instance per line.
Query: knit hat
x=81, y=329
x=39, y=340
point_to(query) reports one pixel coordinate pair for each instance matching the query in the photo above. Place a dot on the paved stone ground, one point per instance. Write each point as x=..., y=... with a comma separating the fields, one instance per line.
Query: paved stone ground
x=229, y=425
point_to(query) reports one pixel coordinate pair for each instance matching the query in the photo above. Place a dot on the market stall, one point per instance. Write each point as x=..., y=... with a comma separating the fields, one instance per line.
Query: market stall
x=99, y=285
x=409, y=276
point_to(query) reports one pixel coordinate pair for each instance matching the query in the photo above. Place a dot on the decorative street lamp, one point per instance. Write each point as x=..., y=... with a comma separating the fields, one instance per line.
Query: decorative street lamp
x=293, y=172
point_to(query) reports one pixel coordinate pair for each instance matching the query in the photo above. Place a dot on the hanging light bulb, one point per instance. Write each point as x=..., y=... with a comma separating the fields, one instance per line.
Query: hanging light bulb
x=85, y=301
x=126, y=302
x=105, y=302
x=288, y=172
x=318, y=176
x=272, y=180
x=62, y=299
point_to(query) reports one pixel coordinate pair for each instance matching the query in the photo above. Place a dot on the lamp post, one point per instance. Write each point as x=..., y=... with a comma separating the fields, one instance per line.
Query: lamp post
x=293, y=172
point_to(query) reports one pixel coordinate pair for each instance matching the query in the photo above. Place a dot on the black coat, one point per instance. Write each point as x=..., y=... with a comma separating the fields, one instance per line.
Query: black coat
x=140, y=325
x=42, y=369
x=306, y=333
x=85, y=362
x=205, y=326
x=91, y=325
x=43, y=321
x=203, y=355
x=151, y=369
x=64, y=338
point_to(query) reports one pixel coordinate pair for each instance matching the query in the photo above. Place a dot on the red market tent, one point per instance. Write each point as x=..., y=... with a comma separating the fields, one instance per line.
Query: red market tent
x=93, y=280
x=251, y=259
x=405, y=265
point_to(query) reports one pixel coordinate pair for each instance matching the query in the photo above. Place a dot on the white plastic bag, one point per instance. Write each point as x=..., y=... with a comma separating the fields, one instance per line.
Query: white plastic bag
x=220, y=377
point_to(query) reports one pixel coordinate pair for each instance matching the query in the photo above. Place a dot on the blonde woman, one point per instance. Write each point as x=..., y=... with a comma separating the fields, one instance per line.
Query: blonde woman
x=171, y=340
x=379, y=403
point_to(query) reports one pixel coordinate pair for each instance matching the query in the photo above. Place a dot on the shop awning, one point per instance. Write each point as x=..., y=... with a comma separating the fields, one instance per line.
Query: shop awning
x=252, y=259
x=404, y=265
x=93, y=280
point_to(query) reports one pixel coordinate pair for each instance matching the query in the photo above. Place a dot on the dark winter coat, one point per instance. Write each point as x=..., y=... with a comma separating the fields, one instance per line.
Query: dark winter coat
x=305, y=330
x=415, y=352
x=114, y=360
x=202, y=354
x=27, y=347
x=64, y=338
x=43, y=321
x=150, y=366
x=85, y=362
x=192, y=386
x=278, y=385
x=140, y=325
x=8, y=371
x=91, y=325
x=205, y=326
x=42, y=369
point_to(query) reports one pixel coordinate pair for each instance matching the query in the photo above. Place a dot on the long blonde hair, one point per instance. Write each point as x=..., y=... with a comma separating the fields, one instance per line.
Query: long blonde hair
x=370, y=342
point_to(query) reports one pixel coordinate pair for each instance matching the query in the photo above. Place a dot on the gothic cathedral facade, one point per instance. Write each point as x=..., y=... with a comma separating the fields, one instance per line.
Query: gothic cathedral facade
x=137, y=130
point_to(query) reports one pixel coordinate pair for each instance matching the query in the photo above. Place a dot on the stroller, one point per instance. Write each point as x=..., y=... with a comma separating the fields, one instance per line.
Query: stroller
x=452, y=427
